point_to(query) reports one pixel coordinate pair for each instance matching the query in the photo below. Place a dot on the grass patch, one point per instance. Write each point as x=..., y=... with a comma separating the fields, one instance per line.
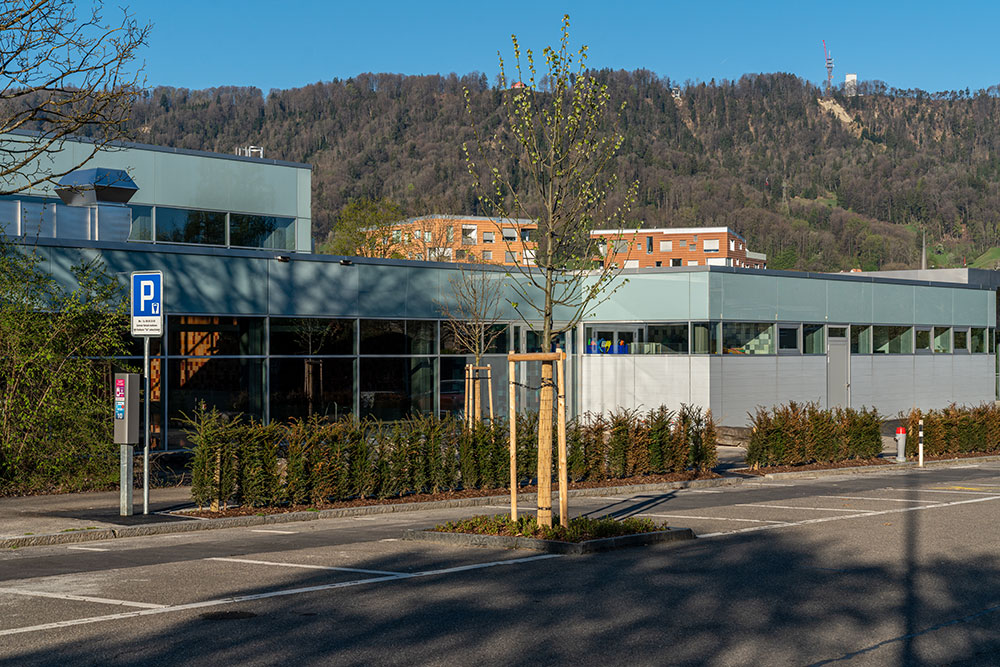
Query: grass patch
x=580, y=529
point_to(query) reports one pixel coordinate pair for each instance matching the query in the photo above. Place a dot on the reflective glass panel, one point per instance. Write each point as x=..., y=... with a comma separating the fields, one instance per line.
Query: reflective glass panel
x=922, y=340
x=977, y=340
x=961, y=340
x=261, y=231
x=233, y=386
x=861, y=339
x=704, y=338
x=182, y=226
x=142, y=223
x=892, y=340
x=813, y=341
x=942, y=340
x=667, y=339
x=747, y=338
x=308, y=336
x=200, y=335
x=300, y=387
x=788, y=339
x=392, y=388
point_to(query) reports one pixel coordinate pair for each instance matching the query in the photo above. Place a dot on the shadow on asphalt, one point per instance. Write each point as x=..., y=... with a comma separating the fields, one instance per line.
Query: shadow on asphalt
x=774, y=598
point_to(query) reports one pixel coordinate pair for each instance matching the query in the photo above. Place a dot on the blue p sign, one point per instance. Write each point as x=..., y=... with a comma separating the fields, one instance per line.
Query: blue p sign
x=147, y=304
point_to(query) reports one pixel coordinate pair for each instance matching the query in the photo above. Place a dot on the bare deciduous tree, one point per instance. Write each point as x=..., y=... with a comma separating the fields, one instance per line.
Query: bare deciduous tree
x=474, y=315
x=64, y=71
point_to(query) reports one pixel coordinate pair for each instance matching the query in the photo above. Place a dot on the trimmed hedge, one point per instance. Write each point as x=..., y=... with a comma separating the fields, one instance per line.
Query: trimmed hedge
x=955, y=430
x=237, y=461
x=801, y=433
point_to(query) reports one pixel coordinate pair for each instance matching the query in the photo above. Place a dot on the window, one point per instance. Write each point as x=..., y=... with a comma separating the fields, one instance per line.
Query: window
x=262, y=231
x=300, y=387
x=177, y=225
x=666, y=246
x=922, y=341
x=788, y=339
x=510, y=257
x=398, y=337
x=711, y=245
x=692, y=262
x=750, y=338
x=659, y=263
x=509, y=234
x=461, y=254
x=812, y=339
x=649, y=245
x=977, y=340
x=142, y=224
x=416, y=236
x=449, y=235
x=667, y=338
x=488, y=237
x=704, y=338
x=838, y=332
x=638, y=247
x=942, y=340
x=393, y=388
x=732, y=244
x=682, y=243
x=427, y=236
x=961, y=340
x=676, y=261
x=311, y=336
x=527, y=235
x=209, y=336
x=861, y=339
x=631, y=264
x=488, y=255
x=716, y=261
x=892, y=340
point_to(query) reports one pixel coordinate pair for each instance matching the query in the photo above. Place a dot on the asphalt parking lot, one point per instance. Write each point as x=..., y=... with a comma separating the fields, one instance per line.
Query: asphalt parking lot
x=897, y=568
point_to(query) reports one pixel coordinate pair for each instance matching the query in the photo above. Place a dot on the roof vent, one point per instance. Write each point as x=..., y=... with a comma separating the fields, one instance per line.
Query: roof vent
x=84, y=187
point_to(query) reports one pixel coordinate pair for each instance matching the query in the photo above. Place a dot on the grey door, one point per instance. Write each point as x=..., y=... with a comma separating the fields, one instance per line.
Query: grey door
x=838, y=375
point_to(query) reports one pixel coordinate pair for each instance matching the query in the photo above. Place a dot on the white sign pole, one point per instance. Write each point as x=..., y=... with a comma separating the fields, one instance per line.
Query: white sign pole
x=145, y=407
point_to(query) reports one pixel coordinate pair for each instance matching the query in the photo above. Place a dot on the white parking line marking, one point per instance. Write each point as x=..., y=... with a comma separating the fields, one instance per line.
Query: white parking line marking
x=263, y=596
x=792, y=507
x=974, y=493
x=81, y=598
x=889, y=500
x=805, y=522
x=304, y=567
x=88, y=548
x=276, y=532
x=717, y=518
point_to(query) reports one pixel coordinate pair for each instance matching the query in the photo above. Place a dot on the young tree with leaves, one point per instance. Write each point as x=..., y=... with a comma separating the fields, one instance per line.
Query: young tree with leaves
x=561, y=131
x=64, y=71
x=364, y=228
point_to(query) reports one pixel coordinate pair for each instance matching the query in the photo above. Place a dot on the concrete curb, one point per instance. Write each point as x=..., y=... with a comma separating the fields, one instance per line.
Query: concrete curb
x=196, y=524
x=864, y=470
x=549, y=546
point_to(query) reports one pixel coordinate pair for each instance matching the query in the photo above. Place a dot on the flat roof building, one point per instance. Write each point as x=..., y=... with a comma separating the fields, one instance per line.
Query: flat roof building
x=677, y=246
x=257, y=324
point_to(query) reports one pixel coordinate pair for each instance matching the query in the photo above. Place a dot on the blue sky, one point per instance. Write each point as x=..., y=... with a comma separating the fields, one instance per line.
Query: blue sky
x=929, y=45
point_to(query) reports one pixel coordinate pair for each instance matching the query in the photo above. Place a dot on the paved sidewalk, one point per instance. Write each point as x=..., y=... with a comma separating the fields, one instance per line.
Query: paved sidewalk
x=71, y=512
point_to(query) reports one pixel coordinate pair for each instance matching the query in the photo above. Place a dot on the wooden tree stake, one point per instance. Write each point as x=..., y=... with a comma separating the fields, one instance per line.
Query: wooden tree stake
x=563, y=464
x=513, y=442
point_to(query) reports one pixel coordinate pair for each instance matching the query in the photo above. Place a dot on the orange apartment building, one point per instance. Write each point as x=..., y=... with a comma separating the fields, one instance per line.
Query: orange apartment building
x=451, y=238
x=679, y=246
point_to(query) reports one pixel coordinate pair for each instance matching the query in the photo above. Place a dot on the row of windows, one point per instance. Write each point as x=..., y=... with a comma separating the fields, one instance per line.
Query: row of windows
x=761, y=338
x=177, y=225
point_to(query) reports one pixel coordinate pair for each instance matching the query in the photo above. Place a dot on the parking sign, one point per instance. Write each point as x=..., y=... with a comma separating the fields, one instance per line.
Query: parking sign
x=147, y=304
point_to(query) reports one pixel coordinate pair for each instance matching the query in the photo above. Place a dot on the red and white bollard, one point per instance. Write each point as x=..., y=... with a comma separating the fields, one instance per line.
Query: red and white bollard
x=900, y=444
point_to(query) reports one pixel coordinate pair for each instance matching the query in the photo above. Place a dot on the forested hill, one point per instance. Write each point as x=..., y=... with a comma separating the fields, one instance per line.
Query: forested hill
x=817, y=183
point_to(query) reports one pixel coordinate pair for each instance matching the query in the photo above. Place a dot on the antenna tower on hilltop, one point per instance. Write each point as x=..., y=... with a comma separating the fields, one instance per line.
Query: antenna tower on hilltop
x=829, y=67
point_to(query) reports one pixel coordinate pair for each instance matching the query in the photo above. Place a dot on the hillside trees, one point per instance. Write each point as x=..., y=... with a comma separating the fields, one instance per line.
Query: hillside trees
x=721, y=152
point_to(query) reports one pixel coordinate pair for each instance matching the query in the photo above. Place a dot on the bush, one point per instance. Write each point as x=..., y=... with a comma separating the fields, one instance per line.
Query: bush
x=797, y=434
x=334, y=460
x=955, y=430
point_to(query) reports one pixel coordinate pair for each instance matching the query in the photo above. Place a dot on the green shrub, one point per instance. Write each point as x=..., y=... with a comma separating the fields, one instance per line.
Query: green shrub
x=954, y=430
x=214, y=469
x=796, y=434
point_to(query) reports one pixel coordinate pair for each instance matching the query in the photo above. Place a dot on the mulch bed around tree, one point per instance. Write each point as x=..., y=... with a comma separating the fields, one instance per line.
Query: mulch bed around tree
x=447, y=495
